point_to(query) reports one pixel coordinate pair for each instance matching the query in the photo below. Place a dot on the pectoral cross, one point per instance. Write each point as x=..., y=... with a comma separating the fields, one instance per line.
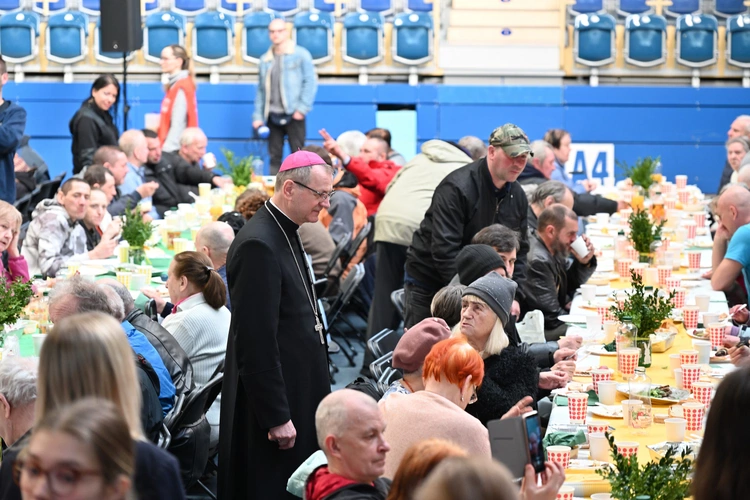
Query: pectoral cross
x=319, y=329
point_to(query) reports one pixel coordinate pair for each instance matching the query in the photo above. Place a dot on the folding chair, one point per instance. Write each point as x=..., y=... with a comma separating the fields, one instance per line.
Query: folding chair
x=383, y=342
x=335, y=309
x=380, y=365
x=397, y=299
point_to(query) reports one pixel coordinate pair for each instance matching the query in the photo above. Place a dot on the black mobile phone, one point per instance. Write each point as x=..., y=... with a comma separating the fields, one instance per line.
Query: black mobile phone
x=534, y=447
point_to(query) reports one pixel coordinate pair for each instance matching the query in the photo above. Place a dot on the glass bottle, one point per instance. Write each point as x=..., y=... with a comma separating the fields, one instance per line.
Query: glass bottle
x=639, y=388
x=625, y=337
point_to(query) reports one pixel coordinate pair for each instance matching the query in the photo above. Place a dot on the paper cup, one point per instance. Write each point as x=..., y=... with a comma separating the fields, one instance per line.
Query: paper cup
x=704, y=351
x=610, y=329
x=38, y=339
x=598, y=376
x=684, y=196
x=73, y=267
x=627, y=448
x=632, y=254
x=565, y=493
x=709, y=317
x=627, y=408
x=693, y=413
x=588, y=292
x=180, y=245
x=607, y=392
x=670, y=203
x=638, y=268
x=673, y=282
x=628, y=360
x=675, y=428
x=605, y=313
x=124, y=278
x=137, y=281
x=650, y=276
x=204, y=191
x=690, y=374
x=690, y=317
x=599, y=447
x=577, y=407
x=716, y=334
x=664, y=273
x=680, y=181
x=559, y=454
x=678, y=301
x=593, y=323
x=597, y=428
x=700, y=219
x=674, y=362
x=579, y=247
x=691, y=229
x=623, y=267
x=688, y=357
x=678, y=378
x=694, y=261
x=702, y=391
x=703, y=301
x=602, y=218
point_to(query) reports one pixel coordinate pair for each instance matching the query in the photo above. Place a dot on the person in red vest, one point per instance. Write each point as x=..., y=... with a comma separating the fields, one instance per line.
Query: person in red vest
x=372, y=168
x=179, y=109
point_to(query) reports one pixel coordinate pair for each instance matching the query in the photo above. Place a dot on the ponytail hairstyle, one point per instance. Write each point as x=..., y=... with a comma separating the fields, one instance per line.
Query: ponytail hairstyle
x=187, y=63
x=198, y=269
x=554, y=137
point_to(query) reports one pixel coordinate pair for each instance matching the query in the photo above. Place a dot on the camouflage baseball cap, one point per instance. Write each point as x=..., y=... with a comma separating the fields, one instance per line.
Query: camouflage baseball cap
x=512, y=139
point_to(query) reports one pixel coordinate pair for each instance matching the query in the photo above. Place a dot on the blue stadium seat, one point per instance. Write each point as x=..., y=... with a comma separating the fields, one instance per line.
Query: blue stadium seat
x=150, y=6
x=587, y=6
x=385, y=7
x=697, y=40
x=680, y=7
x=54, y=6
x=412, y=38
x=162, y=29
x=231, y=7
x=91, y=7
x=738, y=41
x=286, y=7
x=9, y=5
x=66, y=37
x=727, y=8
x=363, y=38
x=627, y=7
x=18, y=36
x=255, y=41
x=105, y=56
x=645, y=40
x=212, y=37
x=314, y=31
x=419, y=6
x=189, y=7
x=323, y=6
x=594, y=39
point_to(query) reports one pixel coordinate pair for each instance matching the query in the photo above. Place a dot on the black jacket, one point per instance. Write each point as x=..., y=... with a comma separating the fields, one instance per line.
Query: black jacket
x=121, y=202
x=92, y=236
x=465, y=202
x=177, y=179
x=508, y=377
x=531, y=175
x=91, y=128
x=726, y=176
x=585, y=204
x=549, y=285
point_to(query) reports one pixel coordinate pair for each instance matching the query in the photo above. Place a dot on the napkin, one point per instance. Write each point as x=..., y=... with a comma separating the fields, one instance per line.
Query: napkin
x=563, y=400
x=564, y=439
x=140, y=302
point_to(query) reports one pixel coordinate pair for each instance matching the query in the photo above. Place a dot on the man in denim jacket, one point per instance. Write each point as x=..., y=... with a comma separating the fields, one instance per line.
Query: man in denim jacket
x=286, y=91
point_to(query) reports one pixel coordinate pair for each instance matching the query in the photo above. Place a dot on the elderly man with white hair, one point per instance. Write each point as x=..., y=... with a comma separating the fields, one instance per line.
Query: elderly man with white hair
x=740, y=127
x=133, y=144
x=192, y=153
x=214, y=240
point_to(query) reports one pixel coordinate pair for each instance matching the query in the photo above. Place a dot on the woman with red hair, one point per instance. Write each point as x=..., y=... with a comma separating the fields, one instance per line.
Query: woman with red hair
x=418, y=462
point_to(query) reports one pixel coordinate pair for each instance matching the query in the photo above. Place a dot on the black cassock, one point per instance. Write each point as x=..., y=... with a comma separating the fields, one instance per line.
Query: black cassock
x=276, y=366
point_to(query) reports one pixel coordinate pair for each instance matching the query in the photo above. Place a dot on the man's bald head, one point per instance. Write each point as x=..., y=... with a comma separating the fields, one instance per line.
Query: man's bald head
x=339, y=411
x=743, y=175
x=214, y=240
x=733, y=207
x=740, y=127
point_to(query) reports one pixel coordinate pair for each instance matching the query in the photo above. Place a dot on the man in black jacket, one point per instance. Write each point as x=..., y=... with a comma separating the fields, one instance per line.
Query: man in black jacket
x=468, y=199
x=547, y=194
x=550, y=283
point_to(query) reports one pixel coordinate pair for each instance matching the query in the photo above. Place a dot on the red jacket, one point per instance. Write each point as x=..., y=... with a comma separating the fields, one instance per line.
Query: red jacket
x=373, y=179
x=165, y=121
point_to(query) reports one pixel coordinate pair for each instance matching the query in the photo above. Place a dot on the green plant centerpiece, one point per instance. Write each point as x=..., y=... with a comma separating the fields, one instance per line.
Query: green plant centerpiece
x=14, y=297
x=239, y=168
x=646, y=311
x=642, y=172
x=666, y=479
x=643, y=233
x=136, y=232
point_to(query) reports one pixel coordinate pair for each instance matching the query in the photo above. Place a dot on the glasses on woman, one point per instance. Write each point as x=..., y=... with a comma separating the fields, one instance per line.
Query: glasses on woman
x=62, y=480
x=320, y=194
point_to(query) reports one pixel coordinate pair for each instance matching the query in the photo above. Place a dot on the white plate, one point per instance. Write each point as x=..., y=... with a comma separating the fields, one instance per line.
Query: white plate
x=600, y=351
x=579, y=319
x=683, y=394
x=599, y=411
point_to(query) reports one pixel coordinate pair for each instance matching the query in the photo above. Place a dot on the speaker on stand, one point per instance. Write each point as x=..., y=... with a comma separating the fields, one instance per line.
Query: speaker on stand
x=121, y=31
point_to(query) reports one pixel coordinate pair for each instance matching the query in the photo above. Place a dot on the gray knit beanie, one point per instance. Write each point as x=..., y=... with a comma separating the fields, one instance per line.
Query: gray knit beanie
x=497, y=292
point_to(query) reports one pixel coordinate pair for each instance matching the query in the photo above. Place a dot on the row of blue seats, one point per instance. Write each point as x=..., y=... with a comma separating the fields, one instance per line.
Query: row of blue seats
x=721, y=8
x=646, y=40
x=195, y=7
x=213, y=37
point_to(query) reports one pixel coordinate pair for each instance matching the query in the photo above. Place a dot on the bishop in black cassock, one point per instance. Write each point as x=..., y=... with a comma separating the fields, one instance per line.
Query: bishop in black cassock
x=276, y=363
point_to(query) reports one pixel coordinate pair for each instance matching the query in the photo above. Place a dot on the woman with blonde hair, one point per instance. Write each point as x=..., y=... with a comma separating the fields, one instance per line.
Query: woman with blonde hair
x=10, y=227
x=82, y=451
x=179, y=109
x=88, y=355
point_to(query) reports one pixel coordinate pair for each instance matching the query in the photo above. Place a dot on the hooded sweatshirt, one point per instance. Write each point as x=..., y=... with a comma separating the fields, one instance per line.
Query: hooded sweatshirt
x=53, y=239
x=324, y=485
x=409, y=194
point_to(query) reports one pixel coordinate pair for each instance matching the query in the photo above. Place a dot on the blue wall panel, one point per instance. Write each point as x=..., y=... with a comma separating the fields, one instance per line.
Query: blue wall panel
x=686, y=127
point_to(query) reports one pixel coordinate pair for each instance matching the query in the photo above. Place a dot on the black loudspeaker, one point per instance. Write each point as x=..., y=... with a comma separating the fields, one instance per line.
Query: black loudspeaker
x=121, y=25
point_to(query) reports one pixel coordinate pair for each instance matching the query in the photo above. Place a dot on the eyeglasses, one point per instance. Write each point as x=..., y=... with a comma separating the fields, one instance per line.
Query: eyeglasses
x=322, y=195
x=473, y=399
x=62, y=479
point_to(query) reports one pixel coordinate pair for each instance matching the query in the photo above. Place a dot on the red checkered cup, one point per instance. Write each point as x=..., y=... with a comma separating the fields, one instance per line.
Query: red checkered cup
x=638, y=267
x=694, y=261
x=559, y=454
x=664, y=273
x=632, y=254
x=597, y=427
x=688, y=357
x=565, y=493
x=690, y=317
x=683, y=195
x=604, y=312
x=680, y=181
x=690, y=374
x=702, y=391
x=577, y=407
x=673, y=282
x=716, y=333
x=623, y=267
x=691, y=229
x=627, y=360
x=627, y=448
x=599, y=375
x=670, y=203
x=678, y=301
x=693, y=413
x=700, y=219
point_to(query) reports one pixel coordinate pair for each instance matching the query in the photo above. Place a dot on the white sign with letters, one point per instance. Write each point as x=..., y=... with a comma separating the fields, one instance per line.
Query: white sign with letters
x=594, y=160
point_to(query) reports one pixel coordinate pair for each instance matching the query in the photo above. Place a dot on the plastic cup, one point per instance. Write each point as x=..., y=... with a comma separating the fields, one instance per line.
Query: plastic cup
x=703, y=301
x=702, y=391
x=688, y=357
x=627, y=408
x=588, y=292
x=627, y=448
x=628, y=360
x=599, y=447
x=593, y=323
x=607, y=392
x=145, y=206
x=704, y=351
x=559, y=454
x=693, y=413
x=579, y=247
x=137, y=281
x=38, y=339
x=690, y=317
x=577, y=407
x=204, y=191
x=690, y=374
x=600, y=375
x=716, y=334
x=650, y=276
x=565, y=493
x=675, y=428
x=610, y=329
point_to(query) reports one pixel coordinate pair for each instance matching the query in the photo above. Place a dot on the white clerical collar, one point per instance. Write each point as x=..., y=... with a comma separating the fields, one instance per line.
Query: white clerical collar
x=282, y=212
